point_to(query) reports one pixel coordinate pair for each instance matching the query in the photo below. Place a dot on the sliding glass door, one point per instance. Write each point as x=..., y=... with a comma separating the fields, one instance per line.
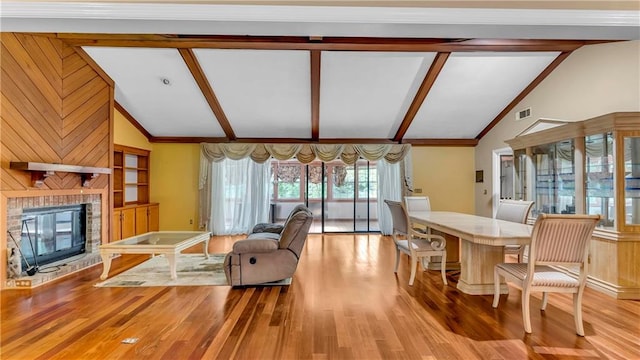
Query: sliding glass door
x=339, y=198
x=367, y=196
x=343, y=198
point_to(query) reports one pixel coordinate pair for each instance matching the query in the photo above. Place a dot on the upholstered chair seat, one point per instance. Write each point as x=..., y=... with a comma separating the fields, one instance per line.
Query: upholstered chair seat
x=542, y=275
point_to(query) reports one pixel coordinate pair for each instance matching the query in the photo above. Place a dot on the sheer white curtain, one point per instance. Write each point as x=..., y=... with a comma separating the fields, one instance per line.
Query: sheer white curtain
x=240, y=195
x=389, y=188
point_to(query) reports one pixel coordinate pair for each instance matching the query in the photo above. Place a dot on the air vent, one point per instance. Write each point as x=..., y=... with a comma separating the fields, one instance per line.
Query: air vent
x=523, y=114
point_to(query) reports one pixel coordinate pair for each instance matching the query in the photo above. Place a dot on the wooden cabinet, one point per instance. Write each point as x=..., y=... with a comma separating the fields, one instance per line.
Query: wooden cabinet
x=147, y=218
x=591, y=167
x=153, y=218
x=135, y=220
x=586, y=167
x=124, y=223
x=116, y=225
x=142, y=219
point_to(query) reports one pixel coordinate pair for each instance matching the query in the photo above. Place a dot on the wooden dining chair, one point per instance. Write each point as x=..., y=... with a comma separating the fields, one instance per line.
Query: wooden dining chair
x=516, y=211
x=556, y=240
x=414, y=243
x=417, y=203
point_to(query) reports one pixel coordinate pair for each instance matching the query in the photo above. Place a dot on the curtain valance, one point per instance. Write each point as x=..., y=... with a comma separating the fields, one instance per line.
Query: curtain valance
x=305, y=153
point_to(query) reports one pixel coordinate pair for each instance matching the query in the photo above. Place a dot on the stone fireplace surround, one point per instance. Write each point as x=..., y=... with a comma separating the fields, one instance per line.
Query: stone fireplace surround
x=95, y=231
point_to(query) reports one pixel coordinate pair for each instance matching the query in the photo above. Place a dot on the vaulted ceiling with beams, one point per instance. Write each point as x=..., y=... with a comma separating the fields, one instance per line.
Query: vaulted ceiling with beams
x=322, y=74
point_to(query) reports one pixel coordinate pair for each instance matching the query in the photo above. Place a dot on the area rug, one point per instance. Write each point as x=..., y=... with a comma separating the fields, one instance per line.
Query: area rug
x=192, y=270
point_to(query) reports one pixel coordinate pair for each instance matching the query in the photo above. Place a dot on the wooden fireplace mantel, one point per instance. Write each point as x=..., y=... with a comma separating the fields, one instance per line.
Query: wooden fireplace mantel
x=39, y=171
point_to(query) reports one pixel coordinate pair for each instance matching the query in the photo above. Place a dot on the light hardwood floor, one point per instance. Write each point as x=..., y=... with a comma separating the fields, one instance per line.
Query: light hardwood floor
x=344, y=302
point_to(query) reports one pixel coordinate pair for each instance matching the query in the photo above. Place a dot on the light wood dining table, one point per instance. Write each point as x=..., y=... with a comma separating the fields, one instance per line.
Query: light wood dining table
x=482, y=241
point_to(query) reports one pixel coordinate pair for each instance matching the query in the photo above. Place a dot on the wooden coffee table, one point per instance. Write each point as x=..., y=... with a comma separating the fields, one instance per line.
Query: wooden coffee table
x=169, y=243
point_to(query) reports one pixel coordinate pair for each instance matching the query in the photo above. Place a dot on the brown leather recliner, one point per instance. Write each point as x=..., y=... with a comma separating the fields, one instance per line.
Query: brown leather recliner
x=269, y=256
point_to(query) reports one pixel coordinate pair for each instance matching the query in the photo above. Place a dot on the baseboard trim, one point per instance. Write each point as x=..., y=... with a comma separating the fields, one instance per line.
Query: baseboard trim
x=615, y=291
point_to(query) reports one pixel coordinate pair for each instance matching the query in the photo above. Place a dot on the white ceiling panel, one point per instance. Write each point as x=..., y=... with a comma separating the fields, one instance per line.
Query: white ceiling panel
x=176, y=109
x=263, y=93
x=472, y=89
x=366, y=94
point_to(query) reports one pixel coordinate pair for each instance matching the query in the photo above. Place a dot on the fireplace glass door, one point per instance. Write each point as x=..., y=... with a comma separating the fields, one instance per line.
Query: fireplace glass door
x=52, y=234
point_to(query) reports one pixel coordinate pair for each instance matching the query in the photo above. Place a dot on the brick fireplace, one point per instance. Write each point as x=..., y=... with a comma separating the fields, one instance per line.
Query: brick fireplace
x=95, y=229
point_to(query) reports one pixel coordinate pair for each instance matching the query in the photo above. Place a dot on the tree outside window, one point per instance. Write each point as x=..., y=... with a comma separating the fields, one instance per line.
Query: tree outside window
x=290, y=180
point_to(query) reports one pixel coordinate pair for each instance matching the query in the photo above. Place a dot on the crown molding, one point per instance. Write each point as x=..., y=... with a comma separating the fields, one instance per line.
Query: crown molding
x=318, y=21
x=325, y=14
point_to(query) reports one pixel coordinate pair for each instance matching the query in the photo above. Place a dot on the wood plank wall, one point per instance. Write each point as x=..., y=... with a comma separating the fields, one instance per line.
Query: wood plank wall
x=55, y=108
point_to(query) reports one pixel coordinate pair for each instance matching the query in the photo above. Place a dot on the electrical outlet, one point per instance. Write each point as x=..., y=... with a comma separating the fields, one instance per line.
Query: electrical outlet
x=190, y=221
x=23, y=283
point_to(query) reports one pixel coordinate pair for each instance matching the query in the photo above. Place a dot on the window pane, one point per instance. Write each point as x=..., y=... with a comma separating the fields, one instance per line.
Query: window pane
x=363, y=179
x=64, y=229
x=506, y=176
x=289, y=181
x=632, y=180
x=289, y=190
x=131, y=160
x=599, y=182
x=315, y=182
x=343, y=181
x=131, y=176
x=520, y=174
x=130, y=193
x=373, y=181
x=554, y=178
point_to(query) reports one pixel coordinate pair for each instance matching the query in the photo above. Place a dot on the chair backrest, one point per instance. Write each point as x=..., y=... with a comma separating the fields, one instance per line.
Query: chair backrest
x=417, y=203
x=514, y=210
x=561, y=239
x=296, y=229
x=398, y=216
x=294, y=211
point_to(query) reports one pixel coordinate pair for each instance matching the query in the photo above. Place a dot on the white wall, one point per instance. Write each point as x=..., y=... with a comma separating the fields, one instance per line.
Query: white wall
x=594, y=80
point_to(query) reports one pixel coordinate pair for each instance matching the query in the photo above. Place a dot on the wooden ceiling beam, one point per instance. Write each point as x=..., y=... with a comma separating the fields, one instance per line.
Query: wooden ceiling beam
x=187, y=139
x=415, y=142
x=178, y=139
x=200, y=78
x=421, y=94
x=554, y=64
x=315, y=94
x=327, y=43
x=441, y=142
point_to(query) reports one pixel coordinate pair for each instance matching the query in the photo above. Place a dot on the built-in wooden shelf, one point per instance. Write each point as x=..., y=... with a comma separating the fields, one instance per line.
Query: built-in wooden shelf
x=130, y=176
x=39, y=171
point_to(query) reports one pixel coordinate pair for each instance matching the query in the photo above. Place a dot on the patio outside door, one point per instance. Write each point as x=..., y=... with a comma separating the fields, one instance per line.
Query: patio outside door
x=343, y=198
